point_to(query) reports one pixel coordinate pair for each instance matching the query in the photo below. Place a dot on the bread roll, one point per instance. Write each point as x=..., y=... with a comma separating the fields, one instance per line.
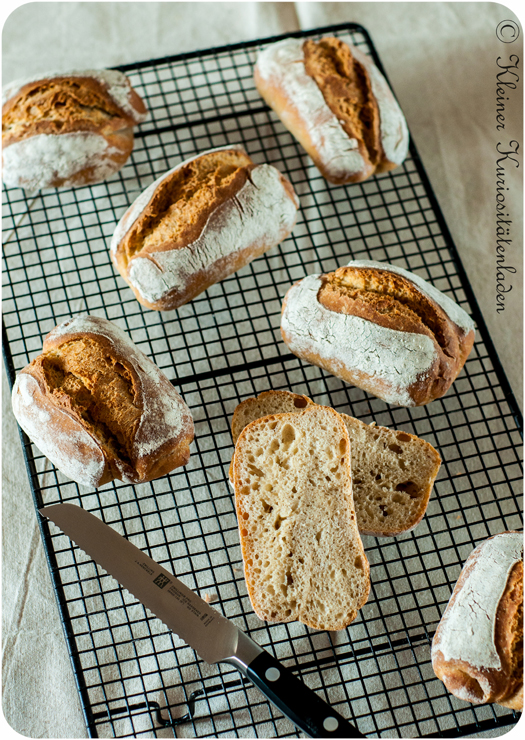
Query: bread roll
x=380, y=328
x=337, y=104
x=200, y=222
x=393, y=472
x=303, y=557
x=99, y=409
x=68, y=128
x=477, y=650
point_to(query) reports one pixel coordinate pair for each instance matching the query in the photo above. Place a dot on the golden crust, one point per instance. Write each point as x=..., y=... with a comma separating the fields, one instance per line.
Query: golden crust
x=191, y=192
x=181, y=205
x=72, y=104
x=63, y=105
x=482, y=685
x=509, y=638
x=91, y=383
x=392, y=301
x=345, y=84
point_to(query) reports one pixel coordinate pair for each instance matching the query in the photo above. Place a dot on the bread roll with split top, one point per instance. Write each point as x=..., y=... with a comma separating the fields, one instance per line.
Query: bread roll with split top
x=477, y=650
x=67, y=128
x=336, y=103
x=200, y=222
x=381, y=328
x=99, y=408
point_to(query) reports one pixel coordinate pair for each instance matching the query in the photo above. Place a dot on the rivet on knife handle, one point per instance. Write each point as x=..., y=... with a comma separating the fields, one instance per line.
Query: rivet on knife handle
x=295, y=700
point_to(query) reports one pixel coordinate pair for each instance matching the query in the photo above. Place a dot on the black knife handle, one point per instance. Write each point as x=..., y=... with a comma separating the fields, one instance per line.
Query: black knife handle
x=296, y=701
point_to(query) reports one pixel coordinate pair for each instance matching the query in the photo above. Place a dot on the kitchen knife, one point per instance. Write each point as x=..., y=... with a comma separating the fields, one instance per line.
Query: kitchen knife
x=215, y=638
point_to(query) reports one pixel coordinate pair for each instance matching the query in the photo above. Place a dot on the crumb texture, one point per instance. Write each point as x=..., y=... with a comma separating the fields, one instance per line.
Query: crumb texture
x=266, y=404
x=393, y=472
x=393, y=475
x=296, y=517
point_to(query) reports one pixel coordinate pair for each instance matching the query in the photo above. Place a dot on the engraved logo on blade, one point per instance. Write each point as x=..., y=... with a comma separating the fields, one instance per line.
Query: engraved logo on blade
x=161, y=580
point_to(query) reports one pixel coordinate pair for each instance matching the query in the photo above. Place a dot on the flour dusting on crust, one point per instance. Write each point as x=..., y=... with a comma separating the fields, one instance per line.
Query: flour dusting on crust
x=54, y=435
x=165, y=416
x=394, y=130
x=282, y=65
x=165, y=425
x=37, y=161
x=140, y=204
x=397, y=358
x=466, y=631
x=261, y=213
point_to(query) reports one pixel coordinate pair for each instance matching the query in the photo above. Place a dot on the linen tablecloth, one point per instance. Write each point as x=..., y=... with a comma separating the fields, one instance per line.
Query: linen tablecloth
x=441, y=59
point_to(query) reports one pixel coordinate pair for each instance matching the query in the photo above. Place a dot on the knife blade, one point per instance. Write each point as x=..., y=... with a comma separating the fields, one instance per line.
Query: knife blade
x=214, y=637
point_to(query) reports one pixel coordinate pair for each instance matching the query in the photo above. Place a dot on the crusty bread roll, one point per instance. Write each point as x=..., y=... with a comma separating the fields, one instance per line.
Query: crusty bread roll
x=99, y=409
x=477, y=650
x=393, y=472
x=67, y=128
x=381, y=328
x=337, y=104
x=303, y=557
x=201, y=221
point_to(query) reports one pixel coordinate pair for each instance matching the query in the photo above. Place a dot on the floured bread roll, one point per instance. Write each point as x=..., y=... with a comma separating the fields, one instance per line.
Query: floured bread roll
x=303, y=557
x=337, y=104
x=99, y=408
x=381, y=328
x=67, y=128
x=200, y=222
x=477, y=650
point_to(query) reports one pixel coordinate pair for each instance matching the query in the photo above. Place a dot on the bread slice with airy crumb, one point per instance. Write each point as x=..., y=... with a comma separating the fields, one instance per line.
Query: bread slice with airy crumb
x=266, y=403
x=303, y=556
x=393, y=471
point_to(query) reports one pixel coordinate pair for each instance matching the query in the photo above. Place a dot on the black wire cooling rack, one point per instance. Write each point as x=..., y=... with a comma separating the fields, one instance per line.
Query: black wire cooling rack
x=135, y=678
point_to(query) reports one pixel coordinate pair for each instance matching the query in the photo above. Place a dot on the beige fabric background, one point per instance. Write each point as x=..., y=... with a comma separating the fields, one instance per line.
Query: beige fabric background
x=441, y=60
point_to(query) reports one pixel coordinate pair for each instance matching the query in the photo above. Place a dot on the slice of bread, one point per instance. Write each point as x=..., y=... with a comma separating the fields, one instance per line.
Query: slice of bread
x=393, y=474
x=303, y=556
x=266, y=403
x=393, y=471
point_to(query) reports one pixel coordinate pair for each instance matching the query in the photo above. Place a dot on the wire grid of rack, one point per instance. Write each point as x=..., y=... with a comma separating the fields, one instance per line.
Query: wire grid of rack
x=135, y=678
